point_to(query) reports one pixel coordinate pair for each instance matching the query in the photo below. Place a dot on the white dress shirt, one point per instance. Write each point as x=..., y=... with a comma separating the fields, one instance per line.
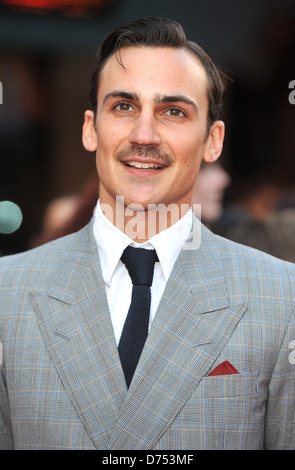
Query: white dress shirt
x=111, y=243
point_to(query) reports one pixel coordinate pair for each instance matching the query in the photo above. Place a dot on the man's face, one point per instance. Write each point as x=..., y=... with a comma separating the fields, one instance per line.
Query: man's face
x=150, y=129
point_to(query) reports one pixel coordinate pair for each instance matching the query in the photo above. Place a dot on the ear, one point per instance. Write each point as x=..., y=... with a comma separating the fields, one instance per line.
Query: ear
x=89, y=136
x=214, y=142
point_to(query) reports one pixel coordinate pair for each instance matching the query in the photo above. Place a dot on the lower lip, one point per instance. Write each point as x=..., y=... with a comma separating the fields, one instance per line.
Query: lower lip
x=143, y=171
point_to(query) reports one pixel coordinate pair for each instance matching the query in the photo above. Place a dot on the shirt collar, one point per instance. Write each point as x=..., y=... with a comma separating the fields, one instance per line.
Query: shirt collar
x=111, y=243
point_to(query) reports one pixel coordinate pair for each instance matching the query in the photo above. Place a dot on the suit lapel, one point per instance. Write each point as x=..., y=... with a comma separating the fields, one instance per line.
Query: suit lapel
x=193, y=324
x=77, y=329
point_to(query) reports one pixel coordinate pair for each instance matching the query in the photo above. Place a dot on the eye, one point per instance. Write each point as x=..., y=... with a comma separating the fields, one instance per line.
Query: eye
x=175, y=112
x=123, y=106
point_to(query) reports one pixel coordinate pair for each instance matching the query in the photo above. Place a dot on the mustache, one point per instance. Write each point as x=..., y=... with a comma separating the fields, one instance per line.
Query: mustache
x=146, y=151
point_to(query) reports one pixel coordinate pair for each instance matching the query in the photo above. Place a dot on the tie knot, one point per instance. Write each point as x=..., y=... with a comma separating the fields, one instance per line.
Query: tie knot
x=140, y=264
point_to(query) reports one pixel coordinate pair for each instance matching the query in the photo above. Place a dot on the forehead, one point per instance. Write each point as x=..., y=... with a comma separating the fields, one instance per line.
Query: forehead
x=154, y=70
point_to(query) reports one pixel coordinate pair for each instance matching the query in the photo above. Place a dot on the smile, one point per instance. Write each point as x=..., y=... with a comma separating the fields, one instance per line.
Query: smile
x=144, y=165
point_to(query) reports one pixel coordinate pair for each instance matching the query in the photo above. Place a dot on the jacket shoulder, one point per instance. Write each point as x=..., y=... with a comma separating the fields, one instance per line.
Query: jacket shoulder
x=42, y=261
x=247, y=254
x=256, y=272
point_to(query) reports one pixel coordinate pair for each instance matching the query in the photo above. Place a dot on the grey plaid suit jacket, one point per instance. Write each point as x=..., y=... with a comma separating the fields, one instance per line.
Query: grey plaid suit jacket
x=61, y=383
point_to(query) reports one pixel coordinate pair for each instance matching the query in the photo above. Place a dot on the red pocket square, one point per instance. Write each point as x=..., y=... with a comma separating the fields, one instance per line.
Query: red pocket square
x=225, y=368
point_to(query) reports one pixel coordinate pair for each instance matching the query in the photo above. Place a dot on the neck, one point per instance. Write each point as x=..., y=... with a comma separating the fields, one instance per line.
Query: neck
x=141, y=224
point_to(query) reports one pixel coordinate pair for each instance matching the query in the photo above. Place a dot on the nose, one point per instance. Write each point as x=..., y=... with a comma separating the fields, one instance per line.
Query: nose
x=145, y=130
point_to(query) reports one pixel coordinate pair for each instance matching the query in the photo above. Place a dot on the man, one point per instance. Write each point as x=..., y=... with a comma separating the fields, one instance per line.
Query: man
x=216, y=370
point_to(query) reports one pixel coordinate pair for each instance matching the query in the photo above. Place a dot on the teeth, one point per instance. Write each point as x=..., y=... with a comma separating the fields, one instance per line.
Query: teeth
x=144, y=165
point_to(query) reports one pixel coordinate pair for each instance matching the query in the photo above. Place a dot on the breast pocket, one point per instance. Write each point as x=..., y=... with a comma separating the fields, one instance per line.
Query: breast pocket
x=236, y=385
x=233, y=411
x=224, y=412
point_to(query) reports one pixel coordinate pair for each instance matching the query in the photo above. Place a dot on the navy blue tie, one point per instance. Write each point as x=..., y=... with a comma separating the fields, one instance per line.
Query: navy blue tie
x=140, y=265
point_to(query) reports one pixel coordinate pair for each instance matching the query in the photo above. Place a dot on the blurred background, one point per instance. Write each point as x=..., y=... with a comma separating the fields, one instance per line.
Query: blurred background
x=47, y=55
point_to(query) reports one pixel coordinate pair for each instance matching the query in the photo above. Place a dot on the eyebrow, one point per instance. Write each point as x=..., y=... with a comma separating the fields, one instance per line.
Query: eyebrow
x=121, y=94
x=159, y=99
x=176, y=99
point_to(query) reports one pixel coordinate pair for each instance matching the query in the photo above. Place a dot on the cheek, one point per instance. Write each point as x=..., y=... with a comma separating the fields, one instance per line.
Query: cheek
x=110, y=138
x=188, y=171
x=105, y=137
x=187, y=145
x=190, y=159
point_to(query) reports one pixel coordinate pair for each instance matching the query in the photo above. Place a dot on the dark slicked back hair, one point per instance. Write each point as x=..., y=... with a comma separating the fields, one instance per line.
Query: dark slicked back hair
x=159, y=32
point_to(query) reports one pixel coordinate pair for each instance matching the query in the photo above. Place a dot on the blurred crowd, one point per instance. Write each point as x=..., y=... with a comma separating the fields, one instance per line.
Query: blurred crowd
x=263, y=216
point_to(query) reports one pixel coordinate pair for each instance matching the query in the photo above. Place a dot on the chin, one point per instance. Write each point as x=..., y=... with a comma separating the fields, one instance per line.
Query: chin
x=138, y=203
x=137, y=206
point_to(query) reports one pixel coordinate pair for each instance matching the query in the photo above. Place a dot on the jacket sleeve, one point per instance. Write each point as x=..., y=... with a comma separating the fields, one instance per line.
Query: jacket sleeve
x=280, y=416
x=6, y=439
